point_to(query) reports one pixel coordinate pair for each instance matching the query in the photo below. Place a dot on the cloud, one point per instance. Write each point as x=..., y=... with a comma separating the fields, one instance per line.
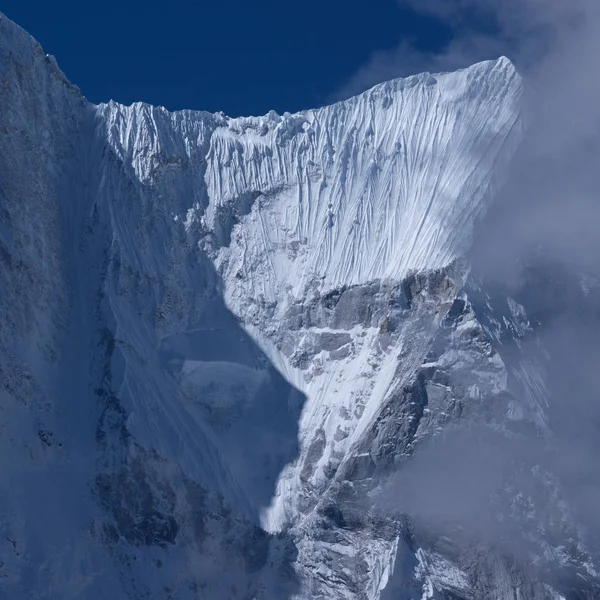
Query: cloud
x=538, y=243
x=550, y=202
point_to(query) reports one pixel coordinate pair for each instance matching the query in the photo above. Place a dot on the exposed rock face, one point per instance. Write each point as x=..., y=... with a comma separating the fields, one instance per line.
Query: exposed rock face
x=227, y=346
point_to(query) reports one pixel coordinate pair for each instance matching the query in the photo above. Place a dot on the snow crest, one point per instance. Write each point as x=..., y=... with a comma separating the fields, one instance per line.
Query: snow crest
x=368, y=188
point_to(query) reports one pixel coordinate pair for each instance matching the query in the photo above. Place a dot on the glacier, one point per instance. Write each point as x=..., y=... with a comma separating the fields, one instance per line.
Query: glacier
x=222, y=337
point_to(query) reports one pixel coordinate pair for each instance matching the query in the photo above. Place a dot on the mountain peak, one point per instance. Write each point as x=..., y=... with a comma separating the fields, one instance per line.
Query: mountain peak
x=371, y=187
x=484, y=68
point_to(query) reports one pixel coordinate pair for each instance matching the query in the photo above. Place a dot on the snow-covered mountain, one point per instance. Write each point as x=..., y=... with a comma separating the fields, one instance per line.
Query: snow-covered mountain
x=221, y=340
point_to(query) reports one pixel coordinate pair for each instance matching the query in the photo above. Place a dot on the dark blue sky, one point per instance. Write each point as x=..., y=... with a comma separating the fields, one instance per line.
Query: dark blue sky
x=239, y=56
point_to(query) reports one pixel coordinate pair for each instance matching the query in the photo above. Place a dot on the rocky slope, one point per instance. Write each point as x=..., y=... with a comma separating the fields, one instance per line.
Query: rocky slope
x=228, y=347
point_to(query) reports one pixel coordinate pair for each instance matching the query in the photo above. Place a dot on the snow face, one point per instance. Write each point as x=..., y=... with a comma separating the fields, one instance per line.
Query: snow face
x=214, y=330
x=367, y=189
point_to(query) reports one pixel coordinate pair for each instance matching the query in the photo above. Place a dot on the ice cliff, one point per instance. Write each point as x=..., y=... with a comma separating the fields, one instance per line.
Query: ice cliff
x=220, y=337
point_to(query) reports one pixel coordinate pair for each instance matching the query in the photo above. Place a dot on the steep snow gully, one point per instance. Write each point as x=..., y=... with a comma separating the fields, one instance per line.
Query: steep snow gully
x=220, y=338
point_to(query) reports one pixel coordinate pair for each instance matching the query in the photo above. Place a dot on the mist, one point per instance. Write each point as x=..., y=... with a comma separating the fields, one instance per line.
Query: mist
x=539, y=244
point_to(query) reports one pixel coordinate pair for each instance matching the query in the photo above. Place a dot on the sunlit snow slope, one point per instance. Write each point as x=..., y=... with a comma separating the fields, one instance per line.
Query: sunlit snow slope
x=368, y=188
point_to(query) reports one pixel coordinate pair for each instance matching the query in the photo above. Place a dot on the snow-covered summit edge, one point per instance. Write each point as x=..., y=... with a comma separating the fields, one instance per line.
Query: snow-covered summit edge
x=389, y=85
x=357, y=211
